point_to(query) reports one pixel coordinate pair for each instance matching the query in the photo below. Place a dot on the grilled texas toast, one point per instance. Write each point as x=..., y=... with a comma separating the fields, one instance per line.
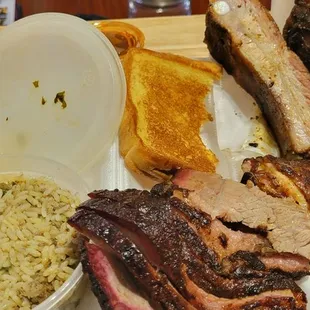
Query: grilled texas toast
x=165, y=109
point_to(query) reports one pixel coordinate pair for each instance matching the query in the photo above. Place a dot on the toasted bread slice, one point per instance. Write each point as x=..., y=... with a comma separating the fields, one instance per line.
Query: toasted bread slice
x=164, y=112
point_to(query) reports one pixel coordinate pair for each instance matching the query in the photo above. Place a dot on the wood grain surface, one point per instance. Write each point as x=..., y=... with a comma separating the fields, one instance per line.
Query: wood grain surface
x=163, y=34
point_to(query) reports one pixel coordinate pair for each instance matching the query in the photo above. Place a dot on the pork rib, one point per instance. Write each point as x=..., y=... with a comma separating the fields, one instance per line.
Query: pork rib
x=243, y=37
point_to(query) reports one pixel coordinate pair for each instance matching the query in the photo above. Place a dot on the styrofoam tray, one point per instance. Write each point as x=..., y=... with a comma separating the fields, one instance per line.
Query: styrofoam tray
x=234, y=127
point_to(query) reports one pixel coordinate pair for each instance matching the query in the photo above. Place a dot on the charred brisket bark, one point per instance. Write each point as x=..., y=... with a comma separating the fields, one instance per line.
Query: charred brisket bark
x=280, y=178
x=110, y=238
x=166, y=234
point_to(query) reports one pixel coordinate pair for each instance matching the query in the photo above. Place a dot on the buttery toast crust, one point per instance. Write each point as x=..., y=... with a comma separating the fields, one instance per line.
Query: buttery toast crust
x=164, y=113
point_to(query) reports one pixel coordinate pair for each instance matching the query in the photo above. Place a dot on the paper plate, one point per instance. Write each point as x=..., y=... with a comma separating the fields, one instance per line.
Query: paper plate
x=62, y=90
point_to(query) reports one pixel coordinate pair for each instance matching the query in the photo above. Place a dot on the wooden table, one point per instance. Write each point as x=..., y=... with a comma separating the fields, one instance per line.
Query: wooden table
x=182, y=35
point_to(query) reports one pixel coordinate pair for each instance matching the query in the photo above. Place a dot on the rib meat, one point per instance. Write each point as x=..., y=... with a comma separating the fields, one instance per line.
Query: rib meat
x=247, y=42
x=287, y=224
x=173, y=238
x=280, y=178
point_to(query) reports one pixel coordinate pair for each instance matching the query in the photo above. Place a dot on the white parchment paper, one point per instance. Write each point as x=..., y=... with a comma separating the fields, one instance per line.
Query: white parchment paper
x=238, y=131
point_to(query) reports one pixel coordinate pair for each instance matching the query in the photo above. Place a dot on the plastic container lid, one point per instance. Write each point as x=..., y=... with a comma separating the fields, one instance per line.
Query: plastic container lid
x=41, y=57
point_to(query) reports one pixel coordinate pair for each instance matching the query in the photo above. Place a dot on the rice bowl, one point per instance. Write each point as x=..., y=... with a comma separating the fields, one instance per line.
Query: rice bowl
x=38, y=250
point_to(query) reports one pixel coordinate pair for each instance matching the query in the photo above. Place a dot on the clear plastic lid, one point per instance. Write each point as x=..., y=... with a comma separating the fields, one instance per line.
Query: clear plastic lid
x=62, y=90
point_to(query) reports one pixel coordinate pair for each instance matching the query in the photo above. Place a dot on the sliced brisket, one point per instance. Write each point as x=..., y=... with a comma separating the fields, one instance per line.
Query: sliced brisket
x=98, y=290
x=226, y=242
x=295, y=265
x=286, y=223
x=110, y=281
x=110, y=239
x=171, y=237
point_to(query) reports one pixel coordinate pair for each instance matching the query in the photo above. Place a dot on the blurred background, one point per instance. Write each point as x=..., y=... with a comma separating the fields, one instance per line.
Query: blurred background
x=99, y=9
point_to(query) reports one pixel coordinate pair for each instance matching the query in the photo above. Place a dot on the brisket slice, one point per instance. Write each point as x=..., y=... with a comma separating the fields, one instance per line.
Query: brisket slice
x=110, y=239
x=280, y=178
x=168, y=227
x=110, y=281
x=97, y=289
x=293, y=265
x=226, y=242
x=248, y=43
x=220, y=239
x=287, y=225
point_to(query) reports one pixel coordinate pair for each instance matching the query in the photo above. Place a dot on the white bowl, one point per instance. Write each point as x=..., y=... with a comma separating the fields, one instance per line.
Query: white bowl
x=71, y=291
x=63, y=53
